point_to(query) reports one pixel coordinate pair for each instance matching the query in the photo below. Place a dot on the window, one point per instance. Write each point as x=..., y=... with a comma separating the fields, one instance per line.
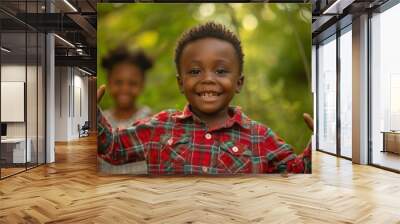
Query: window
x=346, y=92
x=385, y=89
x=327, y=95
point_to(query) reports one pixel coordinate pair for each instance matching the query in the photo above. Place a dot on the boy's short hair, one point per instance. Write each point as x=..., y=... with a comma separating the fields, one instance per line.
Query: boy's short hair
x=122, y=55
x=209, y=29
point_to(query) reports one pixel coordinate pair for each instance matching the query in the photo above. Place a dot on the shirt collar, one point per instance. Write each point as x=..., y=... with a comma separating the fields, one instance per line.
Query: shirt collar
x=238, y=117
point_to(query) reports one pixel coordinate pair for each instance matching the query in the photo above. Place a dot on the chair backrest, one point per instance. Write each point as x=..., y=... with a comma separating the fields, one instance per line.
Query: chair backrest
x=85, y=125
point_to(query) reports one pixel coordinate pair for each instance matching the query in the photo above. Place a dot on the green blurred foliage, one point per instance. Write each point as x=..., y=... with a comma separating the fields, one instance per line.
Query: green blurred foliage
x=276, y=40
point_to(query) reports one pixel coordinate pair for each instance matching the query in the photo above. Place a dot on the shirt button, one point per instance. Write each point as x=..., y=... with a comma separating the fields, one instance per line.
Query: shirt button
x=169, y=142
x=208, y=136
x=235, y=149
x=204, y=169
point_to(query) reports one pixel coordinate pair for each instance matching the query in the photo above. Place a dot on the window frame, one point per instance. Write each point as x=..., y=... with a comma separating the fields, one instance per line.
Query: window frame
x=381, y=9
x=339, y=32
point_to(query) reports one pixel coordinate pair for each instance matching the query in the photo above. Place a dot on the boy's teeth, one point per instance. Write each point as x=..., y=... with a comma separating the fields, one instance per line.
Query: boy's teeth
x=208, y=94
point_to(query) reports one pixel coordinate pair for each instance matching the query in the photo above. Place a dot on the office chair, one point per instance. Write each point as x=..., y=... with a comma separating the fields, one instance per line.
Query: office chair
x=84, y=130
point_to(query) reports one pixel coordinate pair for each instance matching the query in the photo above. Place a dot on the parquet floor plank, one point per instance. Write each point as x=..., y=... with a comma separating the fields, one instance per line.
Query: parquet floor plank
x=71, y=191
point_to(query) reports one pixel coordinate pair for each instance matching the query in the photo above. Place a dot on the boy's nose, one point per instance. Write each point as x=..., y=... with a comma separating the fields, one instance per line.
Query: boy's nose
x=209, y=76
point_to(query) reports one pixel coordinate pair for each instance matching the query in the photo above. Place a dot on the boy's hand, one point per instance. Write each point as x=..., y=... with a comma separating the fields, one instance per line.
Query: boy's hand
x=309, y=121
x=100, y=92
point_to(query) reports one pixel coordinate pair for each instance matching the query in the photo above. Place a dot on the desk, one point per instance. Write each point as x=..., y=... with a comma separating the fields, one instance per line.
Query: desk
x=13, y=150
x=391, y=141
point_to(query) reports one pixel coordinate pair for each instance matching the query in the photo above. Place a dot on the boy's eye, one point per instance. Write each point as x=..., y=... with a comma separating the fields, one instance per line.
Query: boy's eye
x=194, y=71
x=221, y=71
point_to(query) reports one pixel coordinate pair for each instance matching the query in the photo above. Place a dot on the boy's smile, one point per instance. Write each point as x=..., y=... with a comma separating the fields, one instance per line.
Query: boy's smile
x=209, y=95
x=209, y=76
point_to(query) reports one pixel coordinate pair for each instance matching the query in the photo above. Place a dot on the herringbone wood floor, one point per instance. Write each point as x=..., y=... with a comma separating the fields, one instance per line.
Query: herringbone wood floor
x=70, y=191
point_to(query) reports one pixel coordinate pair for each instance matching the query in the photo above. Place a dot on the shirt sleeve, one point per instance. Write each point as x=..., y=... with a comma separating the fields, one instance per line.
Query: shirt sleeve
x=281, y=157
x=122, y=146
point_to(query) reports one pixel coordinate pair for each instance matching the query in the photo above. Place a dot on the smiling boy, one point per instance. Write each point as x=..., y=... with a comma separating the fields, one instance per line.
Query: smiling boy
x=209, y=136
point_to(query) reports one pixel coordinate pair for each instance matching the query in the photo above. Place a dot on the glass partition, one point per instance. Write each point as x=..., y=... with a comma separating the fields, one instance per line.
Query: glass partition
x=22, y=90
x=13, y=86
x=41, y=91
x=31, y=97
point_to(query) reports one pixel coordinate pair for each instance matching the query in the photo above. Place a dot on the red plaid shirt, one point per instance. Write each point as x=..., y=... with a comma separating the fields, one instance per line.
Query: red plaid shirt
x=174, y=142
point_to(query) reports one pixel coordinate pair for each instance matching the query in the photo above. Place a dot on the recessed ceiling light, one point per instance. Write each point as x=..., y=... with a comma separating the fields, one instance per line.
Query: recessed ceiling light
x=70, y=5
x=84, y=71
x=65, y=41
x=5, y=50
x=337, y=7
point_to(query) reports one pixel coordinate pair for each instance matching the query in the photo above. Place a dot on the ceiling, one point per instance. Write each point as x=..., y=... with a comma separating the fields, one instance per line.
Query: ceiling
x=331, y=15
x=76, y=20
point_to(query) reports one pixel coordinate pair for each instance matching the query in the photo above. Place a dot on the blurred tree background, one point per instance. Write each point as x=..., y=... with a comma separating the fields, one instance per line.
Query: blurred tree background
x=276, y=40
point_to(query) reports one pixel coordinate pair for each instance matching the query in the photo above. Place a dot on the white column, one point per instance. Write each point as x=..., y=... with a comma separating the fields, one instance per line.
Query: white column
x=360, y=90
x=50, y=92
x=50, y=99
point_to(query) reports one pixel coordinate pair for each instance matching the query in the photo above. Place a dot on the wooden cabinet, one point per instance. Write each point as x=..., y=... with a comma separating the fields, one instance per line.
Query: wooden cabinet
x=391, y=142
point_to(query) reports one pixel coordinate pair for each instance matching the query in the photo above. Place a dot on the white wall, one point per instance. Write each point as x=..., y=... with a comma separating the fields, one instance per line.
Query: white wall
x=12, y=73
x=71, y=94
x=61, y=103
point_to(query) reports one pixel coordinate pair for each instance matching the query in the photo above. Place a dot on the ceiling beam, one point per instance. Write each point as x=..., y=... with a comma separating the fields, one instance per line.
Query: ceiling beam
x=76, y=61
x=86, y=27
x=337, y=7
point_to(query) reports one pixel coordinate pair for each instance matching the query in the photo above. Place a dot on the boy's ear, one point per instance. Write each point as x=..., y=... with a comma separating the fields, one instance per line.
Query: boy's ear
x=180, y=83
x=239, y=83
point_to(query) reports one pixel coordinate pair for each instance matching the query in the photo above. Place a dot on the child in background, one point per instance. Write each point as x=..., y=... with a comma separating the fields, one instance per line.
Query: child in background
x=209, y=136
x=125, y=81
